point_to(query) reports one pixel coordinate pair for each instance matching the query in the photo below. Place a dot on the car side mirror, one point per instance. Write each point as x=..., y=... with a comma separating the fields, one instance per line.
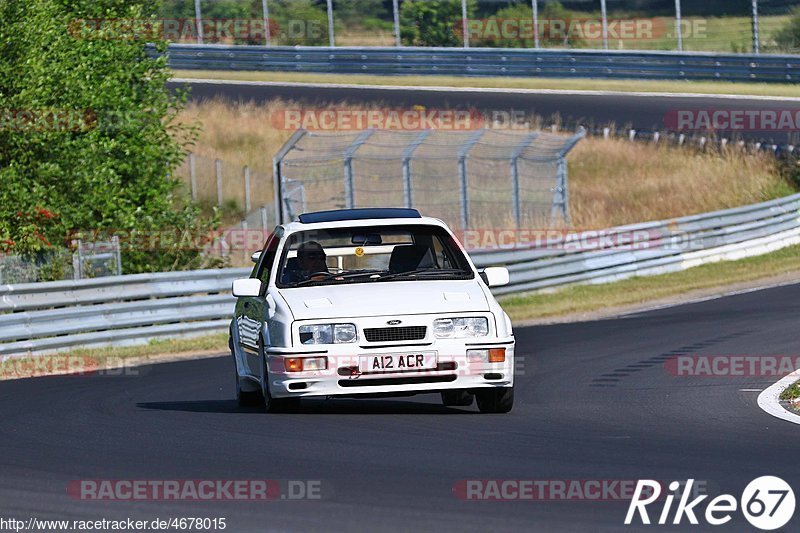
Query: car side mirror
x=495, y=276
x=256, y=256
x=247, y=287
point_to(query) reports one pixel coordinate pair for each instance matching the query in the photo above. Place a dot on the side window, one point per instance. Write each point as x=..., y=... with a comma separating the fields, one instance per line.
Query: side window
x=267, y=260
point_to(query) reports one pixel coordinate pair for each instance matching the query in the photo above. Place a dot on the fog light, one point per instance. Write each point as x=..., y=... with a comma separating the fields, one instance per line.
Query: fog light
x=497, y=355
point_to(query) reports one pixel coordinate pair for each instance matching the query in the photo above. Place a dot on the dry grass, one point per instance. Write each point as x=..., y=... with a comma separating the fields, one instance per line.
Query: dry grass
x=612, y=181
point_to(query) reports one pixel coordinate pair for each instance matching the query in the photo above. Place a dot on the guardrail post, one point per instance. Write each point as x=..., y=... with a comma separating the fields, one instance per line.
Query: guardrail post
x=218, y=172
x=408, y=196
x=349, y=189
x=192, y=178
x=463, y=152
x=515, y=176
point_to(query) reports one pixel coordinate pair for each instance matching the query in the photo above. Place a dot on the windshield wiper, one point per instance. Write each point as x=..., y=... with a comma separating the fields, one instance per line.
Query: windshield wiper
x=330, y=276
x=425, y=271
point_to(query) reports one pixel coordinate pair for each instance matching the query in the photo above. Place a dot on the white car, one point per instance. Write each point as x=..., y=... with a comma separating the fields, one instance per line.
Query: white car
x=370, y=303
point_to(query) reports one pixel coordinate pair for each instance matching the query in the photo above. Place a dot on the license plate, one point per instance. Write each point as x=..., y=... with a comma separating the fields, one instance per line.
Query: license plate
x=396, y=362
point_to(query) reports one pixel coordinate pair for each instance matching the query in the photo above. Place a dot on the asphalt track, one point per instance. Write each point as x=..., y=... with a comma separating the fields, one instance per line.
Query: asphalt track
x=641, y=112
x=594, y=401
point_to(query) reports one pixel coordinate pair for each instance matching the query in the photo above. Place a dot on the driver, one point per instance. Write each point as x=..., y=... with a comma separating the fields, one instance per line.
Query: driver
x=311, y=259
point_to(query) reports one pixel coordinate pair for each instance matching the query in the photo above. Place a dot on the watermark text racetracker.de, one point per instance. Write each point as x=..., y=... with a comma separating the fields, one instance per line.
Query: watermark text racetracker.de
x=184, y=523
x=197, y=490
x=550, y=490
x=731, y=365
x=745, y=120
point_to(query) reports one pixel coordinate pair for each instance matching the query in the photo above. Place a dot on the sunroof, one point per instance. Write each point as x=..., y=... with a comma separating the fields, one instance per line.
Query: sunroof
x=358, y=214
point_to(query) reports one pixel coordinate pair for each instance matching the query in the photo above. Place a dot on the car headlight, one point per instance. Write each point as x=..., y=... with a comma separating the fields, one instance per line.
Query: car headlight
x=328, y=334
x=459, y=328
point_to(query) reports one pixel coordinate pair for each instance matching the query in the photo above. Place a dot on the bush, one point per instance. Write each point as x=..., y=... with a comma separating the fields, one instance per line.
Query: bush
x=552, y=10
x=788, y=37
x=88, y=131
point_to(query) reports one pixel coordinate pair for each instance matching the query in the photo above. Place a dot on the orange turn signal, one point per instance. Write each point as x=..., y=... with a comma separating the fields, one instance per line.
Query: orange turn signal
x=497, y=355
x=294, y=364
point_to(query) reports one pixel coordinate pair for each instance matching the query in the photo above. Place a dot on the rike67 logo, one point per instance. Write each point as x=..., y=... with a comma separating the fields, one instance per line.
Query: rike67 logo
x=767, y=503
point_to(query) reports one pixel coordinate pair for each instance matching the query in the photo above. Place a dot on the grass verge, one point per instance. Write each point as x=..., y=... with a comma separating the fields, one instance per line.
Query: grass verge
x=113, y=357
x=640, y=290
x=627, y=86
x=792, y=392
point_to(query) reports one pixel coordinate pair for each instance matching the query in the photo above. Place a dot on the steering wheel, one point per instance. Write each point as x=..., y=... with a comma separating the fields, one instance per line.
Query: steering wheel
x=320, y=273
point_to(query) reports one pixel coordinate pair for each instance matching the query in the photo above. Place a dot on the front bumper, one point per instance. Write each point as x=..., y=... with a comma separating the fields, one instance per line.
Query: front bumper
x=342, y=377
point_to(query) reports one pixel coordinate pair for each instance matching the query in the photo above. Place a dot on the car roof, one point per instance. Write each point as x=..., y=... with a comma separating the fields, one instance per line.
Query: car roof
x=296, y=226
x=338, y=215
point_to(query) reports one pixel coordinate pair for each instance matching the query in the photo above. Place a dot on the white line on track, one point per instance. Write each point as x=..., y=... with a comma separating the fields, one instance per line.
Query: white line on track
x=496, y=90
x=769, y=401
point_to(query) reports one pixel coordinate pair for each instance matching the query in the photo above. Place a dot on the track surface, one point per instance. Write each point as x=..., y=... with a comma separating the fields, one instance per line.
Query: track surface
x=644, y=113
x=391, y=464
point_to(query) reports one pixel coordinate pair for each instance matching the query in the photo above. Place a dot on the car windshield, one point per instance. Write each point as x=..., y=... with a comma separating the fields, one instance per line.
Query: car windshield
x=371, y=254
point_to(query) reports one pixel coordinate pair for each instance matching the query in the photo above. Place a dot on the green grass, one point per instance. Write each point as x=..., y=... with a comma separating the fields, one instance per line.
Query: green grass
x=640, y=290
x=792, y=392
x=703, y=87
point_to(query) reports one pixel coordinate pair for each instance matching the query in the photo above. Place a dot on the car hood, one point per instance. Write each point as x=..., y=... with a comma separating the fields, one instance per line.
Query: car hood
x=386, y=299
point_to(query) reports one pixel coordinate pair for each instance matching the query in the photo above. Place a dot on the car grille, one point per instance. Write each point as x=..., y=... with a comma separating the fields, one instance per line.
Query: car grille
x=406, y=333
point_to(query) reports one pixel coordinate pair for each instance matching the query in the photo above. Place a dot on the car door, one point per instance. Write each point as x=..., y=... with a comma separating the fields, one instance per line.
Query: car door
x=251, y=312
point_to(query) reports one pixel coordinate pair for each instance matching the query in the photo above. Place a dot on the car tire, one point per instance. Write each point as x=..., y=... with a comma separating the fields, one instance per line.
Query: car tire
x=457, y=398
x=274, y=405
x=243, y=398
x=499, y=400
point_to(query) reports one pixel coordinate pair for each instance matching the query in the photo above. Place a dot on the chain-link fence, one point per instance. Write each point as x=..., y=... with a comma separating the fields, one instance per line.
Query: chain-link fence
x=711, y=25
x=84, y=260
x=471, y=179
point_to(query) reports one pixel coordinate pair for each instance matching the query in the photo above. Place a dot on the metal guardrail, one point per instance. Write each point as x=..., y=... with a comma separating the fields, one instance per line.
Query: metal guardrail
x=40, y=317
x=490, y=62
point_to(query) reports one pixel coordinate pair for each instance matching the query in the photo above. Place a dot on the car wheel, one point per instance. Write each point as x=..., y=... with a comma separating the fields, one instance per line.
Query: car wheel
x=457, y=398
x=499, y=400
x=243, y=398
x=274, y=405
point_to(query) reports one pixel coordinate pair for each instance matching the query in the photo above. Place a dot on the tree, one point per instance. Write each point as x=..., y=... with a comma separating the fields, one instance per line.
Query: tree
x=433, y=22
x=88, y=132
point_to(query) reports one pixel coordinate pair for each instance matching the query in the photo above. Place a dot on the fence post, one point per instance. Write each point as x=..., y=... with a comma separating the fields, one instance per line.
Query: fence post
x=561, y=193
x=678, y=27
x=408, y=196
x=515, y=176
x=277, y=178
x=464, y=23
x=265, y=13
x=349, y=188
x=198, y=18
x=192, y=178
x=331, y=37
x=535, y=8
x=117, y=253
x=756, y=43
x=396, y=13
x=246, y=190
x=463, y=152
x=263, y=217
x=218, y=172
x=604, y=15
